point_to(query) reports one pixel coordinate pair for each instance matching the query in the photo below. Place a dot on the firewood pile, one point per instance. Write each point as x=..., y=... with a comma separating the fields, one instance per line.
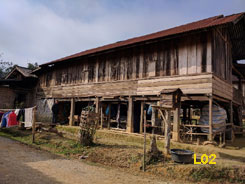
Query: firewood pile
x=88, y=124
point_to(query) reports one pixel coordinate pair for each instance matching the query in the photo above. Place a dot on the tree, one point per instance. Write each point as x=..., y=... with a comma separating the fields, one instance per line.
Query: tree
x=32, y=66
x=5, y=67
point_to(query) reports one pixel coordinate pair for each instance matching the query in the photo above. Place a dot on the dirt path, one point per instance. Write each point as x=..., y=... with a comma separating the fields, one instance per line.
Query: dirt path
x=22, y=164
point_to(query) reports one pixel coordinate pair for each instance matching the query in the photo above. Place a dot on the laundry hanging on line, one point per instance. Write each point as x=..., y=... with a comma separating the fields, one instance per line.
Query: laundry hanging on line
x=12, y=118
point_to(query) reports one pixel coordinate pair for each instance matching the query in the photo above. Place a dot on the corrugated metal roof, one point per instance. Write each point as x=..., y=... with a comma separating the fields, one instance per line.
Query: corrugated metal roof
x=194, y=26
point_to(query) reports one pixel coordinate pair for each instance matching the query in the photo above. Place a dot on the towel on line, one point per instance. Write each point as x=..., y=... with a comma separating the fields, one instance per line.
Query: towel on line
x=28, y=117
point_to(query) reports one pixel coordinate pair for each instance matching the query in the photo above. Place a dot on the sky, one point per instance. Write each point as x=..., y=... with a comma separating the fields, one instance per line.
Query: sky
x=44, y=30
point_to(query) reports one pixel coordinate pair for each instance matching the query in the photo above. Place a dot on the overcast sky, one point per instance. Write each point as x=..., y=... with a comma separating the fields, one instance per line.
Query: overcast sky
x=45, y=30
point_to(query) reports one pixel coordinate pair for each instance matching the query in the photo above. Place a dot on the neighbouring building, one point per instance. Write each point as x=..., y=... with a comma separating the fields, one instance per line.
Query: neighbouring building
x=17, y=89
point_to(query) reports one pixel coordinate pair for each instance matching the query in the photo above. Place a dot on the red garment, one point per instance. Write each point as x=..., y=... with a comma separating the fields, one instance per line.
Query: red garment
x=12, y=120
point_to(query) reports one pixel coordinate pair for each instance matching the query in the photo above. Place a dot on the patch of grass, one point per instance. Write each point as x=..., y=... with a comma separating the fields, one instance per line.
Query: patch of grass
x=14, y=134
x=47, y=141
x=216, y=173
x=72, y=130
x=125, y=151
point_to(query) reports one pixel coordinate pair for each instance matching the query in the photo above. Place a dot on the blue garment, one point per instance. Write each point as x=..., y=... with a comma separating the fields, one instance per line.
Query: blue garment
x=107, y=110
x=5, y=119
x=149, y=111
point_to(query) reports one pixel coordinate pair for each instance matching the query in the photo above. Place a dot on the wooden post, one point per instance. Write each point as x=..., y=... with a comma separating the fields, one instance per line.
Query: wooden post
x=141, y=116
x=184, y=114
x=130, y=115
x=167, y=132
x=33, y=124
x=189, y=114
x=231, y=112
x=144, y=155
x=176, y=124
x=97, y=105
x=231, y=121
x=71, y=121
x=210, y=118
x=97, y=108
x=153, y=119
x=109, y=117
x=101, y=117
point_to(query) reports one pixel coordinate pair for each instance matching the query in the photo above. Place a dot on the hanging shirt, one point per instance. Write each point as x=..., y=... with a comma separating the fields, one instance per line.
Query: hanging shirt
x=21, y=115
x=5, y=119
x=12, y=121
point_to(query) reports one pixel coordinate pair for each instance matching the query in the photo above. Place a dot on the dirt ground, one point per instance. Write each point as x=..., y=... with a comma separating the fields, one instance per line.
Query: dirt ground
x=20, y=163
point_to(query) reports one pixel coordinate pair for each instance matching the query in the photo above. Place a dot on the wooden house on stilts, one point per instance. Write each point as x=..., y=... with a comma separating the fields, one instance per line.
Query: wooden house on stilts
x=124, y=78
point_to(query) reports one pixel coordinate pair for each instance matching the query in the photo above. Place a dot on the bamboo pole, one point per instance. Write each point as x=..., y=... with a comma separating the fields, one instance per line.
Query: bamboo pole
x=33, y=124
x=141, y=116
x=167, y=133
x=144, y=155
x=210, y=118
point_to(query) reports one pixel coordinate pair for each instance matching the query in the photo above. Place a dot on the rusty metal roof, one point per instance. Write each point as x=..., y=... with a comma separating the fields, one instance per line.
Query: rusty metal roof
x=194, y=26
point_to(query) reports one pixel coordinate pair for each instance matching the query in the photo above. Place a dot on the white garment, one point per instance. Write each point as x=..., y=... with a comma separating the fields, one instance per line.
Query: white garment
x=28, y=117
x=17, y=112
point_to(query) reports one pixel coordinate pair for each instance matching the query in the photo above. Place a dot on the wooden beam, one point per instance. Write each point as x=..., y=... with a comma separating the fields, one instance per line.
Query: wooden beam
x=220, y=99
x=210, y=118
x=198, y=98
x=141, y=116
x=71, y=121
x=130, y=115
x=147, y=98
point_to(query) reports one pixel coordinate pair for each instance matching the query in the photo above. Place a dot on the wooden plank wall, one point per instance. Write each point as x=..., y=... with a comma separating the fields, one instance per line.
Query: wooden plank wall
x=190, y=84
x=178, y=57
x=222, y=88
x=222, y=55
x=7, y=97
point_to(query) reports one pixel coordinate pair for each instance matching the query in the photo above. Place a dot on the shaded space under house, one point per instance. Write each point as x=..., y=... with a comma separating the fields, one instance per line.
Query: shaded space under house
x=122, y=79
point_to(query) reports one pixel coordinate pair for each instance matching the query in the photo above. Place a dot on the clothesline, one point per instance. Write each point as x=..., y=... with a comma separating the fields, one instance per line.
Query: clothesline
x=12, y=117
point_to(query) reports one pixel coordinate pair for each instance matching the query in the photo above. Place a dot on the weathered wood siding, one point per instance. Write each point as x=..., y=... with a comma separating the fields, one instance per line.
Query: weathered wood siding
x=7, y=98
x=177, y=57
x=191, y=84
x=222, y=55
x=222, y=88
